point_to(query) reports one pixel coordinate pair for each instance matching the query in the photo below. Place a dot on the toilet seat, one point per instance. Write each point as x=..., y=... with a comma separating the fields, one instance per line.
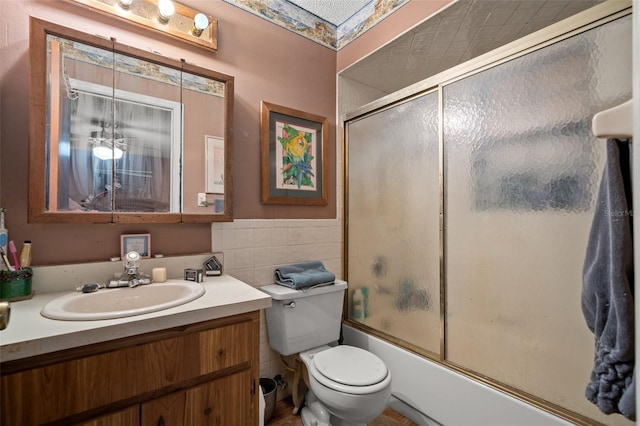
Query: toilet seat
x=349, y=369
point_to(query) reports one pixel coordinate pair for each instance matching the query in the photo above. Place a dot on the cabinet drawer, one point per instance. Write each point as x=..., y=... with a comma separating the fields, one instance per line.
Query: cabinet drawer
x=222, y=402
x=67, y=388
x=225, y=347
x=126, y=417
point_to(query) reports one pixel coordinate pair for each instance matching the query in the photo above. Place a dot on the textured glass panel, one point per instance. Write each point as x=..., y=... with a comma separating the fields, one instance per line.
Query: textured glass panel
x=522, y=170
x=393, y=244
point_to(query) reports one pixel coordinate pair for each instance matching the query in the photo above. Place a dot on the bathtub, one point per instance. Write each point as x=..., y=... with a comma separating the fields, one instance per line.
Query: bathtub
x=430, y=394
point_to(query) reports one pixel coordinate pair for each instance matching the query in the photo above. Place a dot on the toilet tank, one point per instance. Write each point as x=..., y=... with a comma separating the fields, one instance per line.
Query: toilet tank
x=299, y=320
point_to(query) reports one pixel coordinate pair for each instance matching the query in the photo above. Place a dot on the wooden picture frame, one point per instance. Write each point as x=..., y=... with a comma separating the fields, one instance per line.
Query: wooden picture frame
x=140, y=243
x=293, y=151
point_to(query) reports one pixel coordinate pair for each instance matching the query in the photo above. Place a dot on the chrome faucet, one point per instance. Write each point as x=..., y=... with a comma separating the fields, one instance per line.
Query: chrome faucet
x=131, y=276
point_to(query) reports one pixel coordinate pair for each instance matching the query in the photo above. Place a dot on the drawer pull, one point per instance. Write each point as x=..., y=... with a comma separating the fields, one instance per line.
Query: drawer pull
x=207, y=411
x=161, y=421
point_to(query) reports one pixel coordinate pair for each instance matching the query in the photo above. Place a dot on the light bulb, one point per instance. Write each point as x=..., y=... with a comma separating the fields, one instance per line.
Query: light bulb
x=165, y=10
x=117, y=153
x=106, y=153
x=200, y=23
x=125, y=4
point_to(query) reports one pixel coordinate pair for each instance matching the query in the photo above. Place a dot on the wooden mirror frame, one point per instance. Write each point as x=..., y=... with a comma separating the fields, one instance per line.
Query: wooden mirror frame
x=37, y=212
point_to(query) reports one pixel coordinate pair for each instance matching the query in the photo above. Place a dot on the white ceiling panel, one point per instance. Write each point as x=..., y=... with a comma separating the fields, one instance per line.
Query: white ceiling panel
x=333, y=11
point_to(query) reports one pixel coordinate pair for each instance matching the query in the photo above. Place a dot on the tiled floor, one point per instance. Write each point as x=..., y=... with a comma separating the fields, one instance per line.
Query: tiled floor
x=283, y=416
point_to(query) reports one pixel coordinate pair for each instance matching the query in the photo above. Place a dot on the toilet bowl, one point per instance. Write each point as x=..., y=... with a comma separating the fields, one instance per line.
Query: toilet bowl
x=353, y=385
x=347, y=385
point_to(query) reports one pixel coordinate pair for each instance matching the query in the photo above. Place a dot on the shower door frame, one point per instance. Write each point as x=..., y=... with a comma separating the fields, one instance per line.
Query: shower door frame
x=594, y=17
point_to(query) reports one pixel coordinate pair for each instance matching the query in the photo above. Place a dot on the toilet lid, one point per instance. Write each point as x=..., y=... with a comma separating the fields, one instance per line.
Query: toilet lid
x=350, y=366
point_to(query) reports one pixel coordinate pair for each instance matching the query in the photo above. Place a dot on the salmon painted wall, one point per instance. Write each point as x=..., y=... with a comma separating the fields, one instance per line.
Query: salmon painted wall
x=268, y=63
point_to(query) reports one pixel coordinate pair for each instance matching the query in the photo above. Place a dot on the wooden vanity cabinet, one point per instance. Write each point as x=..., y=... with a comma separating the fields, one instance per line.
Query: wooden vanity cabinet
x=199, y=374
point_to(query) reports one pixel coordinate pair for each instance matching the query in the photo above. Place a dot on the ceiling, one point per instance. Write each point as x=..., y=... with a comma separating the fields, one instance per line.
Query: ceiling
x=462, y=31
x=332, y=23
x=336, y=12
x=459, y=32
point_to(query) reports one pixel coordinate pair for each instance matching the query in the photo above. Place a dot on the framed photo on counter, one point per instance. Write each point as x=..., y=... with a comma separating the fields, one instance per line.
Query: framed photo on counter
x=140, y=243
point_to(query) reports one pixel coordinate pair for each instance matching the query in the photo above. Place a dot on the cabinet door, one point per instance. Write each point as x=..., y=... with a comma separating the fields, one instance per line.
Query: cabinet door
x=226, y=401
x=127, y=417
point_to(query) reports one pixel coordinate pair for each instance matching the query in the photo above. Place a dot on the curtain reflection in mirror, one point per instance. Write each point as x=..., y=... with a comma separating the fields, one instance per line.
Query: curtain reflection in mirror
x=142, y=180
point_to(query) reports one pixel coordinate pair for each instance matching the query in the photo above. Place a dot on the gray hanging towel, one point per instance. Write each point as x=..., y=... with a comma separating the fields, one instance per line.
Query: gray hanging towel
x=607, y=288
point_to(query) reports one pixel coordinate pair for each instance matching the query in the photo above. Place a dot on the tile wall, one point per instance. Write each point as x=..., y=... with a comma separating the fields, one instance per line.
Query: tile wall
x=253, y=248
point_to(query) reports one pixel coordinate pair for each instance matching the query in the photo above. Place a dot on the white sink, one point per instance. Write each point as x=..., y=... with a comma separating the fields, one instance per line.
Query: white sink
x=121, y=302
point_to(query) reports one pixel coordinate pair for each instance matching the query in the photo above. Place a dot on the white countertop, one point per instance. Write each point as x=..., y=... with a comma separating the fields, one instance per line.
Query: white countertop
x=29, y=333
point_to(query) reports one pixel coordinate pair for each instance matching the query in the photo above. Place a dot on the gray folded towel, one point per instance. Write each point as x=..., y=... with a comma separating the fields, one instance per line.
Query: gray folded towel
x=303, y=275
x=607, y=288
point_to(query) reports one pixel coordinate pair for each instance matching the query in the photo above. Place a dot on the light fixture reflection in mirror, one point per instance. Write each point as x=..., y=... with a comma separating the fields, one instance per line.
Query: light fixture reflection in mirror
x=106, y=153
x=107, y=146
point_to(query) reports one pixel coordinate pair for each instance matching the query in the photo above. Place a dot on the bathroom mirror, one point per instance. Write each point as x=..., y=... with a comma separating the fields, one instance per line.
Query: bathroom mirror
x=120, y=135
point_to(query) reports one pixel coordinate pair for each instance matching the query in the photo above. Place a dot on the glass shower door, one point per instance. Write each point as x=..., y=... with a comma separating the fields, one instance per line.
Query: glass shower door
x=393, y=217
x=493, y=209
x=522, y=170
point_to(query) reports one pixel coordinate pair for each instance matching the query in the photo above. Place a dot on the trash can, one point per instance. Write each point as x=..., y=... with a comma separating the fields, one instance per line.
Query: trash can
x=268, y=387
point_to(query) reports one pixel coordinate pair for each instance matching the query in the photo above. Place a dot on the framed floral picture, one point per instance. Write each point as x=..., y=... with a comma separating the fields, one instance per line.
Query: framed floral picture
x=293, y=156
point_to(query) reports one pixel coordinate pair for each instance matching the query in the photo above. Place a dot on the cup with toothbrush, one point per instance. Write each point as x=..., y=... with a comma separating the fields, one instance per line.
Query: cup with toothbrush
x=15, y=282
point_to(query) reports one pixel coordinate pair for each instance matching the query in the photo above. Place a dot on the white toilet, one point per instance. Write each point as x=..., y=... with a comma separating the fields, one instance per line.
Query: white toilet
x=348, y=385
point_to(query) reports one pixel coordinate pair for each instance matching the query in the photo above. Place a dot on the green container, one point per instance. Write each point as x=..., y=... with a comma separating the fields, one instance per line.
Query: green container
x=15, y=283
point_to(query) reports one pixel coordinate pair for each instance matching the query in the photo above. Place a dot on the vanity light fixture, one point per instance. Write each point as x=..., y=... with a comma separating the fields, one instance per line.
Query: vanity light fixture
x=166, y=9
x=165, y=16
x=200, y=23
x=125, y=4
